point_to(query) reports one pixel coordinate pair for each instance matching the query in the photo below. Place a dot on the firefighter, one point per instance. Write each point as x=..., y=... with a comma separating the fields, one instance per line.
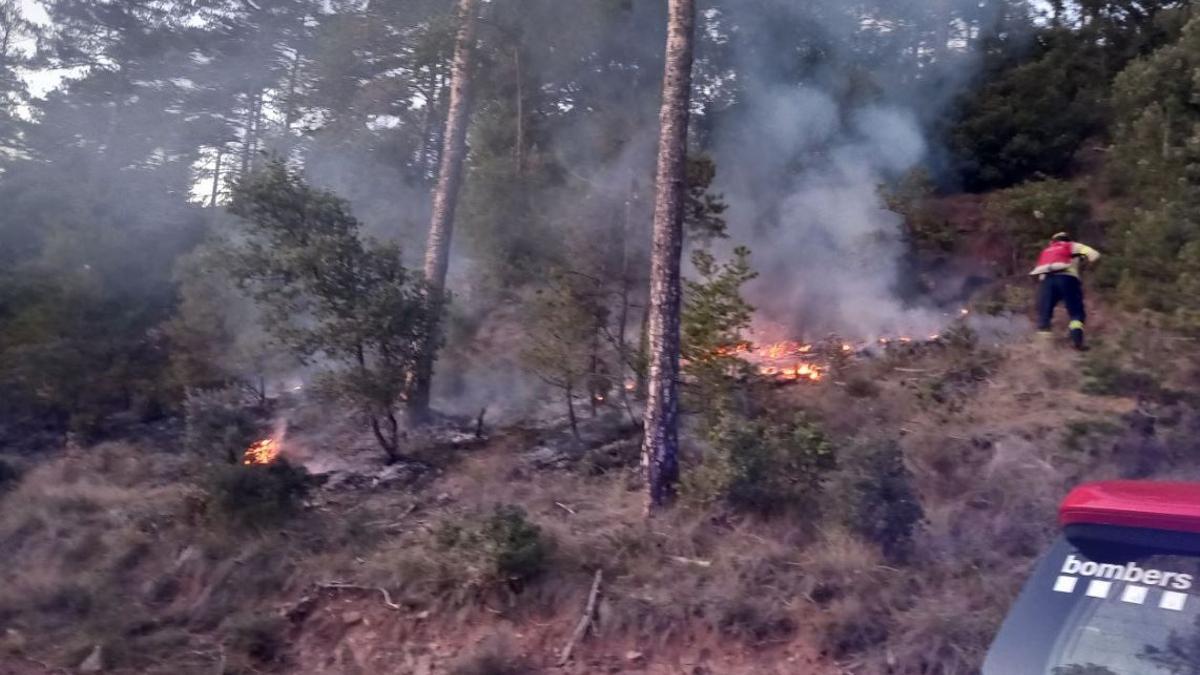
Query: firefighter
x=1058, y=269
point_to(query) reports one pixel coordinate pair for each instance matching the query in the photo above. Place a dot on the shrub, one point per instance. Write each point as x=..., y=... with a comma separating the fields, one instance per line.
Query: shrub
x=258, y=496
x=760, y=465
x=861, y=387
x=503, y=548
x=493, y=657
x=1027, y=215
x=1104, y=376
x=878, y=497
x=854, y=627
x=220, y=423
x=258, y=638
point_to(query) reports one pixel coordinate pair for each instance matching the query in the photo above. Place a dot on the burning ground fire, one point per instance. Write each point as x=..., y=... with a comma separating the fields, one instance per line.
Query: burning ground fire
x=792, y=361
x=261, y=452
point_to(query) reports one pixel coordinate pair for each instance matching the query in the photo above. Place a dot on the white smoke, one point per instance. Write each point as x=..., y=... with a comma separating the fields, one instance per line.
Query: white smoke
x=802, y=164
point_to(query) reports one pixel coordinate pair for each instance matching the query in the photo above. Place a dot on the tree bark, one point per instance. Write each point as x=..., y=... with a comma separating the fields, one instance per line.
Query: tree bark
x=623, y=316
x=573, y=418
x=216, y=184
x=520, y=77
x=660, y=445
x=445, y=201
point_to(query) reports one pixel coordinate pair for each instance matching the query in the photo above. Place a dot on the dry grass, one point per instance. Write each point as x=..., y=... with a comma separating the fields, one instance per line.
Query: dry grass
x=114, y=547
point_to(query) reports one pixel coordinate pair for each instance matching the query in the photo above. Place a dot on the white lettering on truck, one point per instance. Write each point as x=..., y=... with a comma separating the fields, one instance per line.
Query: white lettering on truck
x=1129, y=572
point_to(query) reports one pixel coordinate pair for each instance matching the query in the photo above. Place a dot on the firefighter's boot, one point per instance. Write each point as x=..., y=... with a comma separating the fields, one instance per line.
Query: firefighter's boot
x=1077, y=336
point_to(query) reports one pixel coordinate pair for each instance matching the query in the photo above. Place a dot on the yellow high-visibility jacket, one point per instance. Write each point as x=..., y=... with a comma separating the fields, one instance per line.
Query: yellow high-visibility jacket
x=1079, y=251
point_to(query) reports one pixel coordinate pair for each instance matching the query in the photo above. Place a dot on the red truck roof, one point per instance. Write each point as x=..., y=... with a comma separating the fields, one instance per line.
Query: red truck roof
x=1147, y=505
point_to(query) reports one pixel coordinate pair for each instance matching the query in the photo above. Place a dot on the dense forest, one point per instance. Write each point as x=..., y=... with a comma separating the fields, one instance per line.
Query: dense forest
x=222, y=218
x=117, y=182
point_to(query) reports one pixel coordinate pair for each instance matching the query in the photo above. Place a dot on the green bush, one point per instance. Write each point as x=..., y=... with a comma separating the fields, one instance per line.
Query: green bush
x=259, y=496
x=761, y=465
x=878, y=499
x=1104, y=376
x=219, y=422
x=1027, y=216
x=503, y=547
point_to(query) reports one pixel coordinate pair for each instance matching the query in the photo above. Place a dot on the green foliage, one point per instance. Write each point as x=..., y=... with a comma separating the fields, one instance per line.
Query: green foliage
x=1103, y=375
x=217, y=337
x=256, y=497
x=879, y=500
x=1029, y=118
x=911, y=197
x=704, y=212
x=567, y=346
x=1027, y=216
x=715, y=318
x=761, y=465
x=1156, y=163
x=220, y=423
x=329, y=294
x=501, y=548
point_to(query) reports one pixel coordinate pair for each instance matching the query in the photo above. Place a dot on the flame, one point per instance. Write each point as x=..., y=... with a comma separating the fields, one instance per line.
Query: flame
x=630, y=385
x=261, y=452
x=964, y=311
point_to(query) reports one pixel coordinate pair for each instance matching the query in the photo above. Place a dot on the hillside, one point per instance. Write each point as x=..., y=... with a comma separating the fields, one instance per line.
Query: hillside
x=122, y=547
x=485, y=337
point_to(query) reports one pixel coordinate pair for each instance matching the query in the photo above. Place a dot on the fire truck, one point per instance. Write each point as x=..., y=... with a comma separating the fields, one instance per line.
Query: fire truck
x=1119, y=591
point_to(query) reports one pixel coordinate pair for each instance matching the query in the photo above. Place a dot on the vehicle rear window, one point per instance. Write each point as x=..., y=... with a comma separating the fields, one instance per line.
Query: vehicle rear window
x=1129, y=613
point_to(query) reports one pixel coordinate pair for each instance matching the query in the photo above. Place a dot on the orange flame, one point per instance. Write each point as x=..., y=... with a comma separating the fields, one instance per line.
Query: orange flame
x=261, y=453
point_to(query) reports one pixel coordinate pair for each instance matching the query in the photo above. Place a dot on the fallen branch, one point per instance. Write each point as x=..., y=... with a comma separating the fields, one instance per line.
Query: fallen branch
x=585, y=621
x=339, y=586
x=564, y=507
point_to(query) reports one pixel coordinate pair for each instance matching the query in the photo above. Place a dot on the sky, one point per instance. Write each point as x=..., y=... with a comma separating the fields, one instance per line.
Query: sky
x=40, y=81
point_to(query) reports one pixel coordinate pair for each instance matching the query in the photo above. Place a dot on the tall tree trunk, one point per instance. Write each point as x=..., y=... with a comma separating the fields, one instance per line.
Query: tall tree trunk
x=660, y=444
x=520, y=77
x=428, y=138
x=623, y=316
x=445, y=201
x=571, y=416
x=289, y=112
x=8, y=29
x=216, y=184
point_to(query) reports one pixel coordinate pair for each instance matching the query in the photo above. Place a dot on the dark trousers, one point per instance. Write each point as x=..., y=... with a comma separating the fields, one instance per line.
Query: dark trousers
x=1062, y=288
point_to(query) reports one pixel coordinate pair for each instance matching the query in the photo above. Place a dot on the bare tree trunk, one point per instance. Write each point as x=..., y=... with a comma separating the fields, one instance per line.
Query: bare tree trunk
x=289, y=112
x=216, y=184
x=256, y=121
x=574, y=419
x=623, y=317
x=248, y=129
x=642, y=387
x=445, y=201
x=425, y=152
x=520, y=76
x=8, y=29
x=660, y=444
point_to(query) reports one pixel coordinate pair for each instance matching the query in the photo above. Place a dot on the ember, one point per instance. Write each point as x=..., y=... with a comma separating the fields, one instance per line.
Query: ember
x=261, y=452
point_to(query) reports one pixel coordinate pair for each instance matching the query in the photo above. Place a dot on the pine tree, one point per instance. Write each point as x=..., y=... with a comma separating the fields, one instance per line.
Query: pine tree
x=660, y=445
x=445, y=199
